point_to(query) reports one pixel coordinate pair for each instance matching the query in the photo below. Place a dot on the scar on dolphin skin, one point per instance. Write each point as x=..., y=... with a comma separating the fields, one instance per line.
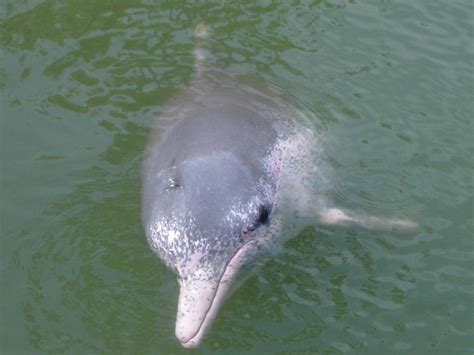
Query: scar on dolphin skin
x=226, y=179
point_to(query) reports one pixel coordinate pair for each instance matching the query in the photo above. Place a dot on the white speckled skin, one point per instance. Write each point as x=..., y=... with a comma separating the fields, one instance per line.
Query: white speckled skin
x=228, y=175
x=207, y=177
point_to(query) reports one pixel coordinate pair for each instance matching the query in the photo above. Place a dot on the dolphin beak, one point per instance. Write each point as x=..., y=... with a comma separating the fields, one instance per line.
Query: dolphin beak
x=197, y=306
x=200, y=299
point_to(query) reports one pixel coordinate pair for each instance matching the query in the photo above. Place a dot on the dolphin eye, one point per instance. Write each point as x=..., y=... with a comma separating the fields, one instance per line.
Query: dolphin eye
x=262, y=218
x=263, y=214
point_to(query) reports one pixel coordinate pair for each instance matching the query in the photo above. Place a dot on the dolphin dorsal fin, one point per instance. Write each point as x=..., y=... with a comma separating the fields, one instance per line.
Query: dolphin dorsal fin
x=201, y=53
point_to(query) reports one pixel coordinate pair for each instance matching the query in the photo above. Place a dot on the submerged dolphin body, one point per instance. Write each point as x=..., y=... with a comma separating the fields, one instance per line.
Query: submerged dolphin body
x=228, y=175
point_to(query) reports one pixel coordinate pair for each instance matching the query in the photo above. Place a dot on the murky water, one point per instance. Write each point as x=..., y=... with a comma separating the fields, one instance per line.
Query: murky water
x=389, y=85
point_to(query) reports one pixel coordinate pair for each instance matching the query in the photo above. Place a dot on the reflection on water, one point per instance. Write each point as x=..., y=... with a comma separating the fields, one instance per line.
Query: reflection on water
x=389, y=88
x=91, y=271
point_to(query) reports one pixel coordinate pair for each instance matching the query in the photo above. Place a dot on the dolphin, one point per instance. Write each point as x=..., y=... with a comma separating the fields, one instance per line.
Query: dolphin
x=229, y=173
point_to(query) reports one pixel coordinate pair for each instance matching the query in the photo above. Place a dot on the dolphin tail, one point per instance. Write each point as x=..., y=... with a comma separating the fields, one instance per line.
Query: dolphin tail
x=335, y=216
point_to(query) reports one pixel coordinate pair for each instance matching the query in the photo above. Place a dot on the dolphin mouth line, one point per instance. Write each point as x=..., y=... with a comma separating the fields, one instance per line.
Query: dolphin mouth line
x=191, y=342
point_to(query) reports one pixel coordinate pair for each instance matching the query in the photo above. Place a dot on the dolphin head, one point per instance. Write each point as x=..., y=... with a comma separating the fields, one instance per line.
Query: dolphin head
x=207, y=214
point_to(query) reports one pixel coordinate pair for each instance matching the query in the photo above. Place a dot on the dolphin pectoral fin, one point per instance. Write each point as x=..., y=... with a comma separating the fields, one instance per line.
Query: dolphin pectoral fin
x=335, y=216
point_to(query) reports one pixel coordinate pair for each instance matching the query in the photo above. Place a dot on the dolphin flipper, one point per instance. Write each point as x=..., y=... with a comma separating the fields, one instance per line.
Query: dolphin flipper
x=301, y=169
x=338, y=217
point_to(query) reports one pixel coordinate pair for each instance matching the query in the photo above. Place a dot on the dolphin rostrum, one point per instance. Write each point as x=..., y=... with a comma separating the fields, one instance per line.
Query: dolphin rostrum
x=229, y=173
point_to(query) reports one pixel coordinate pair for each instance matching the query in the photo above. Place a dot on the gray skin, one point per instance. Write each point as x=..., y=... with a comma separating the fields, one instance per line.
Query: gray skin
x=209, y=181
x=228, y=175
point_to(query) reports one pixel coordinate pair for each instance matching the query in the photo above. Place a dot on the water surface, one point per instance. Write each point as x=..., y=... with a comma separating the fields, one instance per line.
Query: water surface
x=389, y=86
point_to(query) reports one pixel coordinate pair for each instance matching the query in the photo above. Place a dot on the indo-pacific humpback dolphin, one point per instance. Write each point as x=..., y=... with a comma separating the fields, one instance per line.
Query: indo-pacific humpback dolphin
x=229, y=173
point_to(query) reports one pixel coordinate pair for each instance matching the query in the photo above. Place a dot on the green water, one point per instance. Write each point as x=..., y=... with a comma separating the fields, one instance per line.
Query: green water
x=390, y=87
